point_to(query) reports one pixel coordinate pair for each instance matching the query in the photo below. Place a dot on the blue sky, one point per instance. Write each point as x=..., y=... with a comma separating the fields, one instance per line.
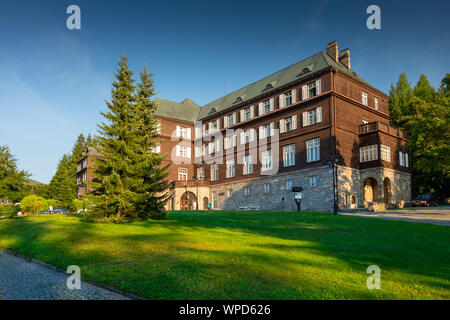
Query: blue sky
x=54, y=81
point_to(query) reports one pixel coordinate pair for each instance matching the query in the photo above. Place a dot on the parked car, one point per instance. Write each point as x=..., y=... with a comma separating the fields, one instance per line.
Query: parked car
x=55, y=210
x=426, y=200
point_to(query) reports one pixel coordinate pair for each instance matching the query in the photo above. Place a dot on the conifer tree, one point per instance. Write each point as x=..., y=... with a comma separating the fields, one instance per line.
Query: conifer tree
x=400, y=98
x=131, y=184
x=12, y=180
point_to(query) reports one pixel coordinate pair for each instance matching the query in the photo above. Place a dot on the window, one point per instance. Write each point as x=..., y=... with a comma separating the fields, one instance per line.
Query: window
x=266, y=187
x=156, y=149
x=312, y=115
x=385, y=152
x=267, y=130
x=289, y=185
x=289, y=155
x=248, y=114
x=201, y=173
x=214, y=200
x=376, y=103
x=312, y=92
x=403, y=159
x=313, y=150
x=313, y=181
x=247, y=191
x=230, y=168
x=266, y=106
x=248, y=136
x=184, y=152
x=230, y=193
x=288, y=98
x=231, y=119
x=248, y=165
x=364, y=98
x=198, y=151
x=182, y=174
x=404, y=185
x=266, y=160
x=368, y=153
x=288, y=124
x=214, y=172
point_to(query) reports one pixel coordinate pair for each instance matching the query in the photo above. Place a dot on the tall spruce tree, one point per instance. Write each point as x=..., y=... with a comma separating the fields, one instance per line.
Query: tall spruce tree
x=400, y=98
x=12, y=180
x=153, y=186
x=130, y=183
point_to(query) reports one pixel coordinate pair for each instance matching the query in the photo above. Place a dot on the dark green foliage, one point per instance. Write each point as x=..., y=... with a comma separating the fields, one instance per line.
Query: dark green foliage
x=13, y=183
x=8, y=210
x=424, y=113
x=132, y=185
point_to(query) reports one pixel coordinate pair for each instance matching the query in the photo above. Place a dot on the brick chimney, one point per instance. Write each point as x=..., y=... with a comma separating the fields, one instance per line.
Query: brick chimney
x=333, y=50
x=344, y=58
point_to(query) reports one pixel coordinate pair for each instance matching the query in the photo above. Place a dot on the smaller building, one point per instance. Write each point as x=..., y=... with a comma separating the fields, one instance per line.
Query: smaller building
x=85, y=168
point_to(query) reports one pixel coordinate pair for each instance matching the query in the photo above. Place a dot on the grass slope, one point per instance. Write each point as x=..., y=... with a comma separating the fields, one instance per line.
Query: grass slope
x=244, y=255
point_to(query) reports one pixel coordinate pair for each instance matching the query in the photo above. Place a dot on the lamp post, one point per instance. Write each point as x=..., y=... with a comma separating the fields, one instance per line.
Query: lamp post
x=196, y=190
x=298, y=196
x=332, y=163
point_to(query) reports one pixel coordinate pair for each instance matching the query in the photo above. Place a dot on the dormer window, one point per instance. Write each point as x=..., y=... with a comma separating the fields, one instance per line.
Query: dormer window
x=268, y=87
x=238, y=99
x=212, y=110
x=305, y=71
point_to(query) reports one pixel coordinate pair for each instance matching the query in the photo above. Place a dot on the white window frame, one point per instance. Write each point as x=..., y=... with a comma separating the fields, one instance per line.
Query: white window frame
x=364, y=98
x=313, y=181
x=385, y=153
x=289, y=155
x=266, y=187
x=247, y=191
x=214, y=172
x=183, y=174
x=230, y=168
x=313, y=150
x=266, y=160
x=368, y=153
x=248, y=165
x=201, y=173
x=289, y=185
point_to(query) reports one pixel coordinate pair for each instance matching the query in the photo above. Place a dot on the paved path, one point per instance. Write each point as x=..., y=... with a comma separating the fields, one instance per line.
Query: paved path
x=24, y=280
x=439, y=216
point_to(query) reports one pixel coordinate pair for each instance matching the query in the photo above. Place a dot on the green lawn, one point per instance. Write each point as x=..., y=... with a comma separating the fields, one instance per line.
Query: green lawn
x=244, y=255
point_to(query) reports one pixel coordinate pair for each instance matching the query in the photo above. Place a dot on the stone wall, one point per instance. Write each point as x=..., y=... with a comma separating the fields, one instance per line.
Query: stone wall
x=318, y=198
x=351, y=183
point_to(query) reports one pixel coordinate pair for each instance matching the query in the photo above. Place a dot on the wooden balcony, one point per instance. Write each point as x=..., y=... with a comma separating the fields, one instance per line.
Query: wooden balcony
x=383, y=127
x=191, y=183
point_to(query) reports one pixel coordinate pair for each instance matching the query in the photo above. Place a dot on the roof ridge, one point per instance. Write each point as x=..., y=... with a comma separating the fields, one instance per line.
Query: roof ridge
x=273, y=73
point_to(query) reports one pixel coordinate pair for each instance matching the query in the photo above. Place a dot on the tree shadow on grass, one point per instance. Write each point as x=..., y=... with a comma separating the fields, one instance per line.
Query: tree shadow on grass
x=200, y=256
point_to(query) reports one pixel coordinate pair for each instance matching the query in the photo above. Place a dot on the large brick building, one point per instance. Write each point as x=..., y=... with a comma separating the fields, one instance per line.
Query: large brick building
x=281, y=132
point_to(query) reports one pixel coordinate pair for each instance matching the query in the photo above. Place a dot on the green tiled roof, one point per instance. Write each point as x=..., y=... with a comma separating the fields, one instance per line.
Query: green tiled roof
x=186, y=110
x=189, y=111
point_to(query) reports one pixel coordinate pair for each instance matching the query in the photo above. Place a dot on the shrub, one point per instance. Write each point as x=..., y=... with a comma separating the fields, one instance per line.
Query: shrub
x=78, y=204
x=33, y=204
x=8, y=210
x=51, y=202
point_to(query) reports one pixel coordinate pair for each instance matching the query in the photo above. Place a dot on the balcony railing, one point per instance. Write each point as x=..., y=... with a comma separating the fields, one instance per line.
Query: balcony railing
x=191, y=183
x=380, y=126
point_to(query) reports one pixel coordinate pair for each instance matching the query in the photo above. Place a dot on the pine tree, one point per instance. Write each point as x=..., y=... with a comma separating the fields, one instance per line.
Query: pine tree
x=12, y=180
x=153, y=186
x=423, y=89
x=400, y=98
x=131, y=183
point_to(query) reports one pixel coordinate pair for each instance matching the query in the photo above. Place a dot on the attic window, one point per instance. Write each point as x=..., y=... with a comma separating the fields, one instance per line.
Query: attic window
x=238, y=99
x=304, y=71
x=269, y=86
x=212, y=110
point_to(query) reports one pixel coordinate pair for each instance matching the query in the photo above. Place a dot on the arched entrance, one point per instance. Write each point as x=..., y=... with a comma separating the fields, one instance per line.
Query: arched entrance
x=387, y=190
x=205, y=203
x=187, y=201
x=370, y=190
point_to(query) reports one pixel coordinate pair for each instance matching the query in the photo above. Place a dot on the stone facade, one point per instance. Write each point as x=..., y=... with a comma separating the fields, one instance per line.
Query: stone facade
x=317, y=198
x=382, y=186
